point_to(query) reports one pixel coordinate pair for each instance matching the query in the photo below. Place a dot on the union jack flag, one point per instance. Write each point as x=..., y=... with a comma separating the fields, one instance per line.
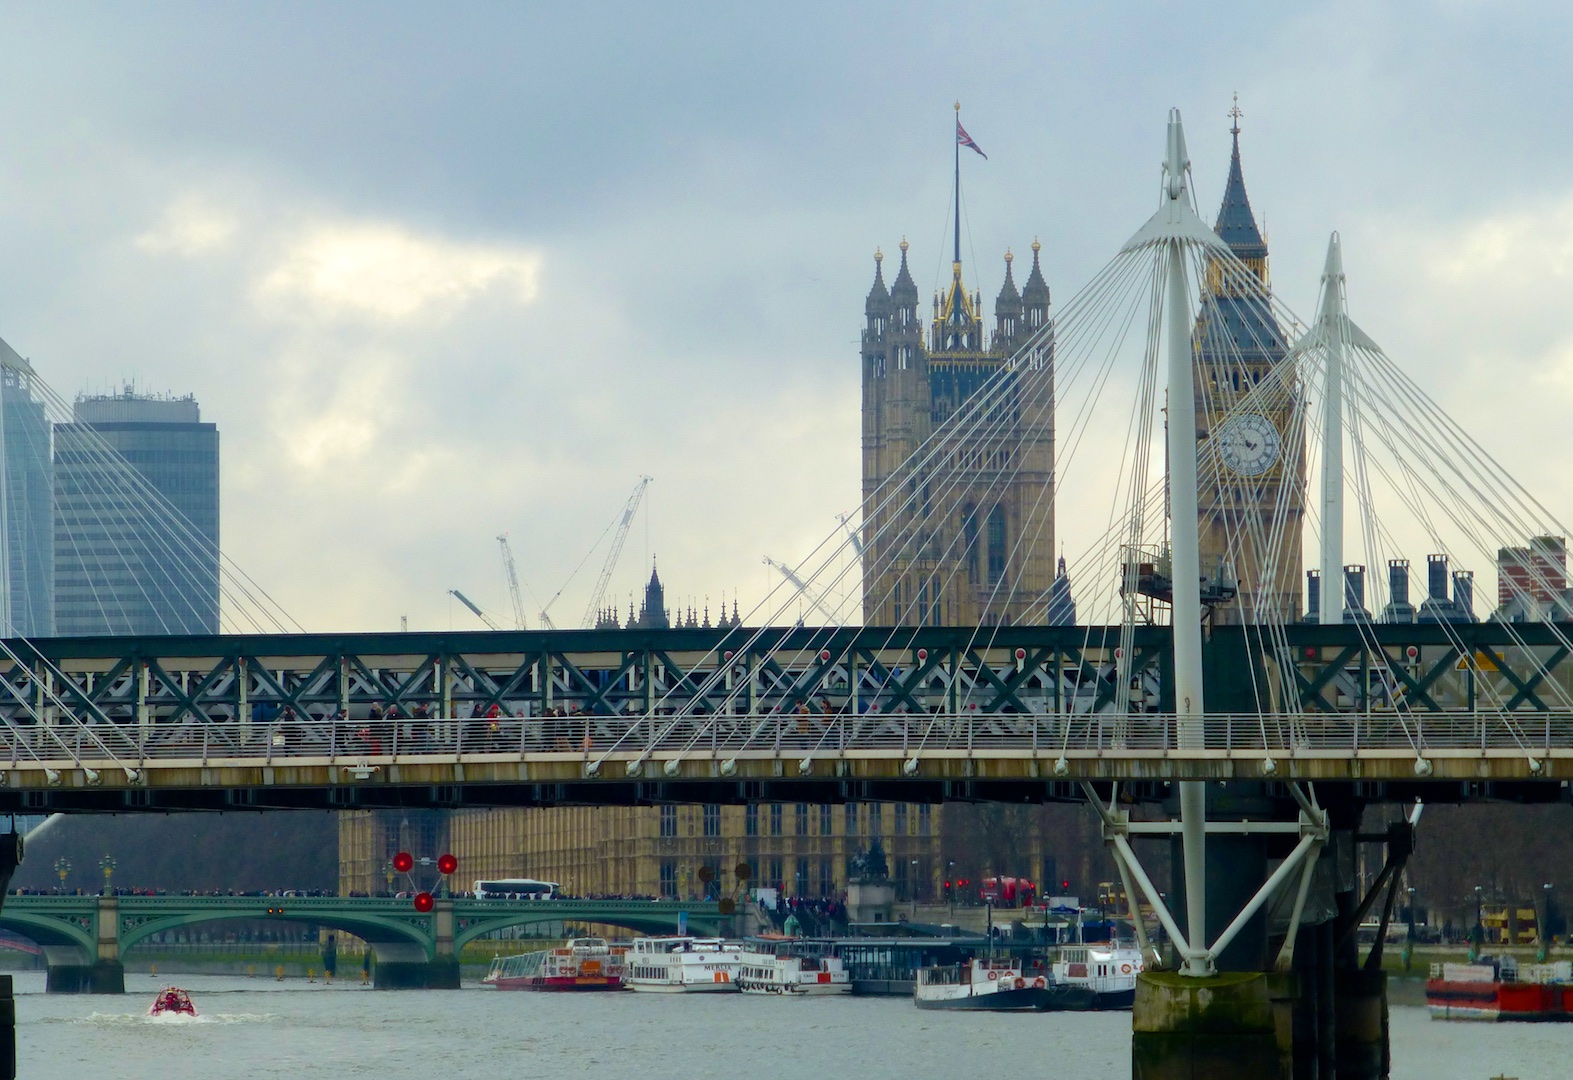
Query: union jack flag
x=966, y=140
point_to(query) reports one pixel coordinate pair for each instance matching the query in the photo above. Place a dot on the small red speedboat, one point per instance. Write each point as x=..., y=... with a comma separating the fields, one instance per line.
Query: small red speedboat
x=172, y=1001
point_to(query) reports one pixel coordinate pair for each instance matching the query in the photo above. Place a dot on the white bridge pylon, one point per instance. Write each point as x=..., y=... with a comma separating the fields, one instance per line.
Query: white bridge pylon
x=1180, y=240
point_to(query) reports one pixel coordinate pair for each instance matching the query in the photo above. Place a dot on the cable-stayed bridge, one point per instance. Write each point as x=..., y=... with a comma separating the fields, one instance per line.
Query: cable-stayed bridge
x=1196, y=702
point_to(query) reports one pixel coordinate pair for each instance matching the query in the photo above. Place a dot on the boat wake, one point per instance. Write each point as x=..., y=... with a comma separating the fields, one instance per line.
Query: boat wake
x=114, y=1020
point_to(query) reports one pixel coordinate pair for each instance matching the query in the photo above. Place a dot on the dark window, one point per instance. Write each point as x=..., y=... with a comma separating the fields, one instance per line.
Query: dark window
x=826, y=828
x=925, y=819
x=801, y=819
x=712, y=819
x=668, y=821
x=876, y=819
x=969, y=530
x=901, y=820
x=852, y=819
x=775, y=819
x=996, y=544
x=669, y=878
x=751, y=820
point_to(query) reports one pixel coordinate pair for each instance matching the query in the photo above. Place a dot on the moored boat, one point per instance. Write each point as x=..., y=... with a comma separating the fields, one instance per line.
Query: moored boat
x=683, y=965
x=1499, y=990
x=1107, y=972
x=997, y=985
x=792, y=970
x=172, y=1001
x=581, y=964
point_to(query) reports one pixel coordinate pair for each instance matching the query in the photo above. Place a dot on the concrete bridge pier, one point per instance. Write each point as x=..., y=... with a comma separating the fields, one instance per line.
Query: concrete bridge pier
x=10, y=857
x=1305, y=1010
x=72, y=971
x=403, y=965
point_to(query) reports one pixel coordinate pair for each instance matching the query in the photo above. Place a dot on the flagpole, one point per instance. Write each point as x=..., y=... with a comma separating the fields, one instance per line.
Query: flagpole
x=958, y=182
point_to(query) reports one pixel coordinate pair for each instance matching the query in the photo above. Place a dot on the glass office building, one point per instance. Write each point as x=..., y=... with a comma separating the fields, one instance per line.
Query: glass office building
x=27, y=586
x=136, y=531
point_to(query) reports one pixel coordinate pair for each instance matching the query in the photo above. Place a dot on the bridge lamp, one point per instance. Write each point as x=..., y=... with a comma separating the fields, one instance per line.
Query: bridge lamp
x=107, y=865
x=62, y=867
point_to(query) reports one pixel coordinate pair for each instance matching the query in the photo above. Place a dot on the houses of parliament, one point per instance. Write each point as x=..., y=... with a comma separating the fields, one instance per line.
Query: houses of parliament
x=980, y=551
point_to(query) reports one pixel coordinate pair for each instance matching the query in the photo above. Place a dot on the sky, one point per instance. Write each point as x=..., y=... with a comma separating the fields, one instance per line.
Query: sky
x=442, y=273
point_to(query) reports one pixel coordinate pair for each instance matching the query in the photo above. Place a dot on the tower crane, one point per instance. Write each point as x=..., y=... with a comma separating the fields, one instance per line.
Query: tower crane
x=857, y=541
x=512, y=574
x=625, y=520
x=467, y=602
x=802, y=587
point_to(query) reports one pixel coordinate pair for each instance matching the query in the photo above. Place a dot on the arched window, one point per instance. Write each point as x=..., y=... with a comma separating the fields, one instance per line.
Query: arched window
x=996, y=544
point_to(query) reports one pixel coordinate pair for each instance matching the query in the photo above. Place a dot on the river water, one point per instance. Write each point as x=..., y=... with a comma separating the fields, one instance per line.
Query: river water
x=260, y=1028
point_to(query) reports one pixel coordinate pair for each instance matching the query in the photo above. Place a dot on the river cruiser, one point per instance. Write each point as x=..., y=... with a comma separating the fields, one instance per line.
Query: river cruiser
x=1107, y=972
x=997, y=985
x=581, y=964
x=791, y=970
x=683, y=965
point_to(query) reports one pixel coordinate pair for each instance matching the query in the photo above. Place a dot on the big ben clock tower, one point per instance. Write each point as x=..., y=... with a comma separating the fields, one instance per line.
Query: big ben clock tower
x=1250, y=504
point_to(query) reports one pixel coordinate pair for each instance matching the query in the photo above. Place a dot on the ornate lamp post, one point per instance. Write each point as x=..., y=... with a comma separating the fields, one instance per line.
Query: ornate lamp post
x=107, y=865
x=387, y=875
x=62, y=867
x=912, y=884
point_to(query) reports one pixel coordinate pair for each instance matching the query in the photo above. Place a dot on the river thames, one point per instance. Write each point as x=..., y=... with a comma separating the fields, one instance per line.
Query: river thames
x=259, y=1028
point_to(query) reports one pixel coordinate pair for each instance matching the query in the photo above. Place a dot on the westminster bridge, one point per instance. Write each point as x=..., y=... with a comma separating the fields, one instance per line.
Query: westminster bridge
x=542, y=717
x=85, y=938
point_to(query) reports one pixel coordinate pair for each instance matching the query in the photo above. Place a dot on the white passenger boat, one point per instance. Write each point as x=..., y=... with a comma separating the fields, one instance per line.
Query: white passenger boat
x=1108, y=972
x=996, y=985
x=682, y=965
x=788, y=970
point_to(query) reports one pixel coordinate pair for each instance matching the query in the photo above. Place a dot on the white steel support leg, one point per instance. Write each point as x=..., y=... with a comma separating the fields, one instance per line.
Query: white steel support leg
x=1285, y=959
x=1333, y=331
x=1185, y=557
x=1134, y=904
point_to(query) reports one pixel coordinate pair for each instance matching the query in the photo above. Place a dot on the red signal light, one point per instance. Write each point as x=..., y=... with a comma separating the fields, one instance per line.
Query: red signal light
x=403, y=862
x=423, y=902
x=447, y=864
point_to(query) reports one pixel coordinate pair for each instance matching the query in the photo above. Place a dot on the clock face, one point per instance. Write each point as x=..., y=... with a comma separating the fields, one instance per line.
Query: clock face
x=1249, y=444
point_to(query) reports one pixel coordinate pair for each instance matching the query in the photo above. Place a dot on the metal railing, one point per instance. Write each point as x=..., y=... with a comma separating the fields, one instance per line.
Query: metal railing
x=639, y=738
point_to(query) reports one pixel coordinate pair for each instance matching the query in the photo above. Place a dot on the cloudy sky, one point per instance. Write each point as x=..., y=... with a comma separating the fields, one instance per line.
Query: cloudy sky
x=443, y=272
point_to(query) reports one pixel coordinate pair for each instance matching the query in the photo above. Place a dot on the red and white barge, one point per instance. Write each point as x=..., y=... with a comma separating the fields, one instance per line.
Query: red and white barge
x=1496, y=990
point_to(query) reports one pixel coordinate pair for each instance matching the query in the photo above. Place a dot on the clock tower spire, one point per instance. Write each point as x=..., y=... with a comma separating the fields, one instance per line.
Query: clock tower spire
x=1250, y=502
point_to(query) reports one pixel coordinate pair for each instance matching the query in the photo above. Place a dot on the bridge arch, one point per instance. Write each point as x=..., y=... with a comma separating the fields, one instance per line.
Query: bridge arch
x=470, y=930
x=52, y=931
x=387, y=934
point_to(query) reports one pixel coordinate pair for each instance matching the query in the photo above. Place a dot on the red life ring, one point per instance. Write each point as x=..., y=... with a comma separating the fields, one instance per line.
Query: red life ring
x=1020, y=982
x=1125, y=969
x=993, y=975
x=1038, y=982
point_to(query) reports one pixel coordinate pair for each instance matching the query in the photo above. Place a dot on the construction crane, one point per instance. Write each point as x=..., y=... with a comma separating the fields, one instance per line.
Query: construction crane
x=857, y=541
x=467, y=602
x=629, y=509
x=802, y=587
x=512, y=573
